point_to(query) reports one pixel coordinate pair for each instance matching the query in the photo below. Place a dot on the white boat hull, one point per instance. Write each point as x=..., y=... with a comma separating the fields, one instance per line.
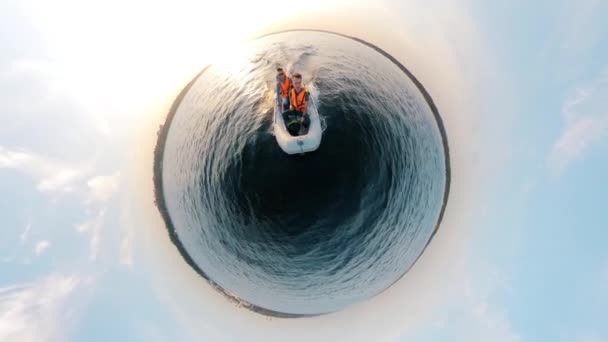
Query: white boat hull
x=297, y=144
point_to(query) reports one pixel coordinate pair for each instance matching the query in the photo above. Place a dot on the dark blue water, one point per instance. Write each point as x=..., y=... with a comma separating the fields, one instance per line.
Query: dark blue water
x=304, y=234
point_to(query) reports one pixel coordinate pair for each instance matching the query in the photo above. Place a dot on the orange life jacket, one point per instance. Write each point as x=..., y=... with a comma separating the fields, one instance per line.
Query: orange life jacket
x=285, y=85
x=298, y=101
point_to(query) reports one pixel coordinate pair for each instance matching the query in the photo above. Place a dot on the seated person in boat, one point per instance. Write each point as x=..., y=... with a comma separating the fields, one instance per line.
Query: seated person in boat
x=282, y=88
x=297, y=119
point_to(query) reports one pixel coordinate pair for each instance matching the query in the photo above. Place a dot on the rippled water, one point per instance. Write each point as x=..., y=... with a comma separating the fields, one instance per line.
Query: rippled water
x=308, y=234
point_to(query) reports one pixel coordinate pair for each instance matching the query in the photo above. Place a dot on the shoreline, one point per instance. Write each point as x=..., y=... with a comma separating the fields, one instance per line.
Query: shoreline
x=160, y=204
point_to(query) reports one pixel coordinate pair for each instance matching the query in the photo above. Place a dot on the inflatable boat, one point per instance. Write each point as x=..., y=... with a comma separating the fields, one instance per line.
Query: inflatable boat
x=307, y=140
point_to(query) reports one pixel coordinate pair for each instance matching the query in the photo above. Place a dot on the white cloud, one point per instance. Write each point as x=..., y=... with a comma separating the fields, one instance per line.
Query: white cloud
x=576, y=138
x=126, y=252
x=101, y=188
x=35, y=311
x=84, y=227
x=41, y=246
x=24, y=235
x=52, y=176
x=94, y=227
x=585, y=123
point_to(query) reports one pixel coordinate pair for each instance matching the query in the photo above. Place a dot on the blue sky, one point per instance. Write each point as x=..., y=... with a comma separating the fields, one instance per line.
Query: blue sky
x=521, y=255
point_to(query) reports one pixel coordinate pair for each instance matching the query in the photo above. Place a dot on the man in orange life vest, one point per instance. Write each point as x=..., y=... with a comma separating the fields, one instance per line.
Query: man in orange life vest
x=283, y=87
x=298, y=101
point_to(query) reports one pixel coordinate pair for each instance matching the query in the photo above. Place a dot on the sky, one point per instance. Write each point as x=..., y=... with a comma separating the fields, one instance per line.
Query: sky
x=520, y=256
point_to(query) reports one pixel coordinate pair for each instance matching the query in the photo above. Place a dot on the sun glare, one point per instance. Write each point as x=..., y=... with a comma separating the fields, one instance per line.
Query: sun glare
x=132, y=56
